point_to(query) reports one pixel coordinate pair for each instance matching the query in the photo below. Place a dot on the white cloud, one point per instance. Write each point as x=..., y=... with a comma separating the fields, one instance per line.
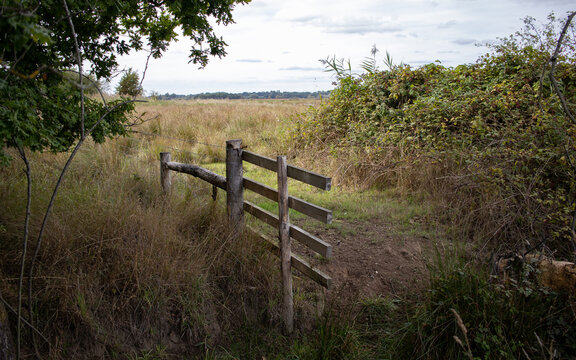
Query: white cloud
x=464, y=41
x=249, y=61
x=360, y=25
x=276, y=44
x=301, y=68
x=447, y=24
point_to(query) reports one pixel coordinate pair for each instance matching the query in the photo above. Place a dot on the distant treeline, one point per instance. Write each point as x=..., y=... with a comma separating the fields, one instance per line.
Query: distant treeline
x=246, y=95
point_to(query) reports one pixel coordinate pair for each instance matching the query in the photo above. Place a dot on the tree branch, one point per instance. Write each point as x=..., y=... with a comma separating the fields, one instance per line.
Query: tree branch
x=79, y=60
x=146, y=68
x=24, y=247
x=553, y=60
x=24, y=320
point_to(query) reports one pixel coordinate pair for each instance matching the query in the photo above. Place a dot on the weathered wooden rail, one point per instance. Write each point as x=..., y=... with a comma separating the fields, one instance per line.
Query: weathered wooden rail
x=234, y=184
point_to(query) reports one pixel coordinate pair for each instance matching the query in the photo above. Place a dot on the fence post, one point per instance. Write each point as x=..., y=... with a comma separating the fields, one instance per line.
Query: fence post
x=285, y=249
x=165, y=178
x=234, y=186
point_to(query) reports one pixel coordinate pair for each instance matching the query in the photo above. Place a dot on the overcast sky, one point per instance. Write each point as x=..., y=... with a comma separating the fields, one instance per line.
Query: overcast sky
x=277, y=44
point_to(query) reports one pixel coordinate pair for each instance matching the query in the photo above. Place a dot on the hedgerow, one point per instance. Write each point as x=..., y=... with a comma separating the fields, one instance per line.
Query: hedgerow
x=490, y=140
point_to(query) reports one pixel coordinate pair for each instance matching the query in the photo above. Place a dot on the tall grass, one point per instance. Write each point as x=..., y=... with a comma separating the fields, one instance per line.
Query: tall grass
x=468, y=313
x=125, y=268
x=129, y=272
x=206, y=123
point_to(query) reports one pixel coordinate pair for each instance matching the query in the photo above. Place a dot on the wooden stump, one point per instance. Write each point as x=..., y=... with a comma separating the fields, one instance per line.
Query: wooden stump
x=557, y=275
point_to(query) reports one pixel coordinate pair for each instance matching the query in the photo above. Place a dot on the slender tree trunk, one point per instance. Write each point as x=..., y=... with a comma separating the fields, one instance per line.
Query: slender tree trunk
x=24, y=249
x=6, y=343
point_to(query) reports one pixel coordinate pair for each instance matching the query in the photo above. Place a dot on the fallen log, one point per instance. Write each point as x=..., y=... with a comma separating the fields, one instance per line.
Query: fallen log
x=556, y=275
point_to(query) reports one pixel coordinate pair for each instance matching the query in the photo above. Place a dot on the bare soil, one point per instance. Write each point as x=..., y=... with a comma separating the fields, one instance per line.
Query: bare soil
x=371, y=260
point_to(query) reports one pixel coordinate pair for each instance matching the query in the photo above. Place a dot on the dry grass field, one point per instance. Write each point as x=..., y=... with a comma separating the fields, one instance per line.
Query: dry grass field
x=128, y=272
x=258, y=123
x=125, y=271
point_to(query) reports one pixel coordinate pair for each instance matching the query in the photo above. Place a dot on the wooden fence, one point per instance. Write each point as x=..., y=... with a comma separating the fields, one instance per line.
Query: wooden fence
x=234, y=184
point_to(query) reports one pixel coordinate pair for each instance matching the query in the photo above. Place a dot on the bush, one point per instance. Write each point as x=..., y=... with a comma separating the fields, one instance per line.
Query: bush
x=467, y=314
x=489, y=141
x=130, y=84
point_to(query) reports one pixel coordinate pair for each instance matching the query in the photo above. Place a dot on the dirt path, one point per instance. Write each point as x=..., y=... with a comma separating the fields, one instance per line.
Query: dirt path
x=370, y=260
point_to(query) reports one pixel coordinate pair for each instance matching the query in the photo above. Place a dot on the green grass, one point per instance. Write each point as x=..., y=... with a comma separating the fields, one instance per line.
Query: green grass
x=345, y=204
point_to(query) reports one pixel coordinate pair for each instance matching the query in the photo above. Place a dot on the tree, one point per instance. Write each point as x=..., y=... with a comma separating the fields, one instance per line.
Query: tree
x=91, y=85
x=129, y=84
x=43, y=108
x=40, y=39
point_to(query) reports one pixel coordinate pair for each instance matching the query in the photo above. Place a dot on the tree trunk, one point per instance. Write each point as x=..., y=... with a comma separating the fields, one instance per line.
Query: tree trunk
x=6, y=343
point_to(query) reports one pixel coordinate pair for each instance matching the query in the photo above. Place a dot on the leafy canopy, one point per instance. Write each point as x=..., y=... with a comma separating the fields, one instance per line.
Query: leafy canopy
x=39, y=40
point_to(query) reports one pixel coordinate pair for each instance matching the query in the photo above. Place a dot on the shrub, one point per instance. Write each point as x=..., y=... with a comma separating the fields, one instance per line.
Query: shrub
x=468, y=315
x=130, y=84
x=489, y=141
